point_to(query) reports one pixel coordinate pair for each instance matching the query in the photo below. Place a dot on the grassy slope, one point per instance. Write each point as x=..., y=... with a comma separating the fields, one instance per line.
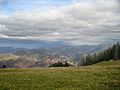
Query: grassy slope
x=101, y=76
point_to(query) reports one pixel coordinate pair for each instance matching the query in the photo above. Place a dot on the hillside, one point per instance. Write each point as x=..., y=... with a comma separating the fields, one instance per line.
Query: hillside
x=20, y=62
x=4, y=57
x=112, y=53
x=46, y=56
x=101, y=76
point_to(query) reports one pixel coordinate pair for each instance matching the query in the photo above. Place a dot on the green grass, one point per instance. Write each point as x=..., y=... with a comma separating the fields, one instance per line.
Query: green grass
x=101, y=76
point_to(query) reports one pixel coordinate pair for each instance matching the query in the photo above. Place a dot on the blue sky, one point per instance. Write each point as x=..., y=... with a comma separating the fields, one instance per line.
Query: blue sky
x=11, y=6
x=74, y=22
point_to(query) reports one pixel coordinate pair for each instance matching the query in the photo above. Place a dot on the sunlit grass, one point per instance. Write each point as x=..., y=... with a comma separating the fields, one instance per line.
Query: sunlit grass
x=102, y=76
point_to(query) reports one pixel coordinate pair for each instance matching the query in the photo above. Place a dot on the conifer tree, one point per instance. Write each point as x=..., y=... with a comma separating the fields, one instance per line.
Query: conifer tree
x=112, y=53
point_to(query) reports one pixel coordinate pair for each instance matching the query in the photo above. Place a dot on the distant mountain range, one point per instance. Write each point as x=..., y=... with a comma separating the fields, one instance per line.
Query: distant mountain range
x=47, y=56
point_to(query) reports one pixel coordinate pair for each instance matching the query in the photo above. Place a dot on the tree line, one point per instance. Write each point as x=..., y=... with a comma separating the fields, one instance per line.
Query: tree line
x=112, y=53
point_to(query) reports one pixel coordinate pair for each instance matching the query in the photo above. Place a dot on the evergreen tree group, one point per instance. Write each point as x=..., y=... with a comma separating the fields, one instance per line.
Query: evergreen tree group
x=112, y=53
x=60, y=64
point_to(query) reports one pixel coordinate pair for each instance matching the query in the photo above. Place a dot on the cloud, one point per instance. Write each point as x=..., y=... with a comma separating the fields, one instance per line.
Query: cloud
x=81, y=22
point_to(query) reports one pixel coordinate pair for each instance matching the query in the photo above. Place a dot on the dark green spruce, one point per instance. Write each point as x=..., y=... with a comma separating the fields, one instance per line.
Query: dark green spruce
x=112, y=53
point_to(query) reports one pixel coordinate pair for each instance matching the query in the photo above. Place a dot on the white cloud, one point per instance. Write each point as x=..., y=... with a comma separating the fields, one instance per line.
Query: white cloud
x=84, y=21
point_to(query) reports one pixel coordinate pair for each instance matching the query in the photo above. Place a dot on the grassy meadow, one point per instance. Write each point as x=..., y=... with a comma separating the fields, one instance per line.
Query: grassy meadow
x=101, y=76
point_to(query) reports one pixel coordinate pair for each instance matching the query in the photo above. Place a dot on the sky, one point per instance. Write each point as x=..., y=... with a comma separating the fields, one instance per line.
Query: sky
x=76, y=22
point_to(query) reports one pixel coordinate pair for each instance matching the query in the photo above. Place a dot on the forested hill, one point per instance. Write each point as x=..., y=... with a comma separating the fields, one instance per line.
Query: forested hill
x=112, y=53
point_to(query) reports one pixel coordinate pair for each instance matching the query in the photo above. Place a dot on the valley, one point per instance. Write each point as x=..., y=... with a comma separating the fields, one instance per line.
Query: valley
x=44, y=57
